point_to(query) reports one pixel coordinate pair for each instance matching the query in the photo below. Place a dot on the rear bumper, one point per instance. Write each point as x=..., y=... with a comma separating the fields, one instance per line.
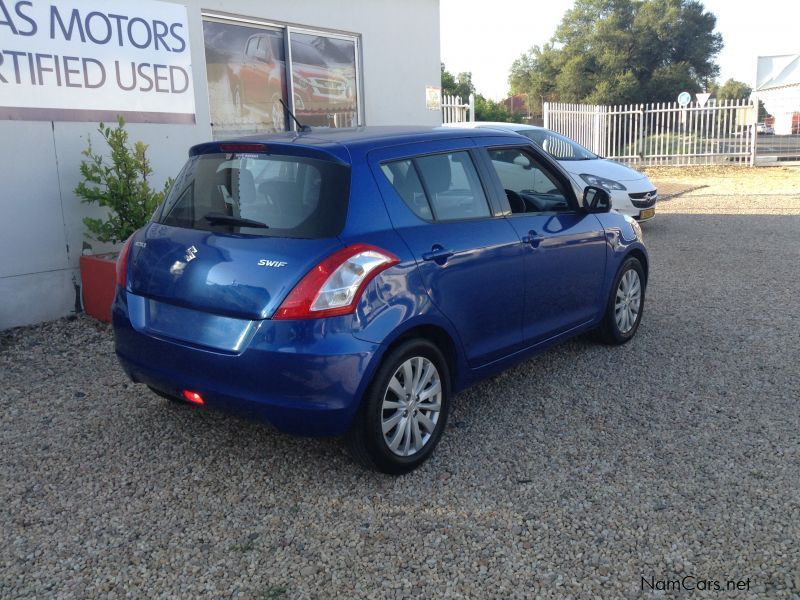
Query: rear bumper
x=303, y=377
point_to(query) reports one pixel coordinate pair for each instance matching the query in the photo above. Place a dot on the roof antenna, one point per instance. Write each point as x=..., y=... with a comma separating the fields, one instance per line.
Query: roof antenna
x=300, y=126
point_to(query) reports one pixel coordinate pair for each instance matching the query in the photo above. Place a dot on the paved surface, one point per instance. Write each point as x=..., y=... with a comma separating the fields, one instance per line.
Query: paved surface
x=576, y=474
x=776, y=145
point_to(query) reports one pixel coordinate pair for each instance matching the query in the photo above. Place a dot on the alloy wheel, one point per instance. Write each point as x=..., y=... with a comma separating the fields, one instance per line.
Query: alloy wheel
x=628, y=301
x=411, y=407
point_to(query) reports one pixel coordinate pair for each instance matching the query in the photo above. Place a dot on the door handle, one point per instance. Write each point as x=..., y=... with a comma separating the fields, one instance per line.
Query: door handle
x=533, y=238
x=438, y=254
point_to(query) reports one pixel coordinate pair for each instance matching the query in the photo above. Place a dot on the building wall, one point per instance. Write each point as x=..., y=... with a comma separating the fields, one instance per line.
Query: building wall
x=41, y=229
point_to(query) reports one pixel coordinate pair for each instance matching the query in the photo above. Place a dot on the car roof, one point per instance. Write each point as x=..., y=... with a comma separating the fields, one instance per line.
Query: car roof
x=493, y=125
x=345, y=142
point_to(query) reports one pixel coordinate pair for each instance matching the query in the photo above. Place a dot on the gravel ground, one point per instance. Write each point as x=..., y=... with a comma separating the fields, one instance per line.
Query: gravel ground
x=725, y=180
x=575, y=474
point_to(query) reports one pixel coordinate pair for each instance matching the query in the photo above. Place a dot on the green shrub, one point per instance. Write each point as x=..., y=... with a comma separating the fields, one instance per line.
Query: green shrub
x=121, y=186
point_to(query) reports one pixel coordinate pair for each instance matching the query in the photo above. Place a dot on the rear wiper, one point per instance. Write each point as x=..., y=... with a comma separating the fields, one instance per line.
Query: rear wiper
x=218, y=217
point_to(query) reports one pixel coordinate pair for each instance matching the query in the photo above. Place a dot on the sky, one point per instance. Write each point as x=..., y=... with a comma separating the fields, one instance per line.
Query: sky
x=485, y=37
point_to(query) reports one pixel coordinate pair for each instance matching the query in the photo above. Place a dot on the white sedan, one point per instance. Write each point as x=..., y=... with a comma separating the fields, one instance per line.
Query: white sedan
x=631, y=192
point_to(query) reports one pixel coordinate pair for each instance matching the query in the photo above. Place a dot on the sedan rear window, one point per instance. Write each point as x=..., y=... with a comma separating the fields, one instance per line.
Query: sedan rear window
x=259, y=194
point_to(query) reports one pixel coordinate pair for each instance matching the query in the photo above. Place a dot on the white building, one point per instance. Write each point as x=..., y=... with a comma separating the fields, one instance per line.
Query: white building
x=180, y=73
x=778, y=87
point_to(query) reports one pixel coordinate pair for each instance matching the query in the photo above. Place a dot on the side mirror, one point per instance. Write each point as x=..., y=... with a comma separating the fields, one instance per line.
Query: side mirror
x=596, y=200
x=522, y=161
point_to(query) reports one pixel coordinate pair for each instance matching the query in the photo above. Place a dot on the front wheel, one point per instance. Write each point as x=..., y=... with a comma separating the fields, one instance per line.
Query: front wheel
x=625, y=304
x=404, y=410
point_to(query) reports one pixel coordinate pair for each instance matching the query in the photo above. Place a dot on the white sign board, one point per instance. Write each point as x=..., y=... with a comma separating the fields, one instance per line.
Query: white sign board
x=90, y=60
x=702, y=98
x=433, y=97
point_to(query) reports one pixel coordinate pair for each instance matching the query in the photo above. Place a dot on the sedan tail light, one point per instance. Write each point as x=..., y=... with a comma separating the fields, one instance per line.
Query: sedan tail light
x=335, y=285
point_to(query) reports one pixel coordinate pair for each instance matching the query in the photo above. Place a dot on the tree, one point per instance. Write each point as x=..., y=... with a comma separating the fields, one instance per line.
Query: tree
x=485, y=108
x=730, y=90
x=457, y=85
x=122, y=185
x=622, y=51
x=736, y=90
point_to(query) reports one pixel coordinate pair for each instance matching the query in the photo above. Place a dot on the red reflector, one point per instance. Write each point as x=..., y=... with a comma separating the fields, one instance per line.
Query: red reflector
x=242, y=147
x=193, y=397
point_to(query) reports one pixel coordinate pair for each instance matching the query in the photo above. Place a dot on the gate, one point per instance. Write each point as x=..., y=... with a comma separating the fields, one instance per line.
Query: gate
x=456, y=111
x=661, y=133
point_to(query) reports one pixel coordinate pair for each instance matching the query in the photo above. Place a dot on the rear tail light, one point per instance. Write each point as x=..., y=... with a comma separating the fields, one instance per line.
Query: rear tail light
x=122, y=263
x=335, y=285
x=193, y=397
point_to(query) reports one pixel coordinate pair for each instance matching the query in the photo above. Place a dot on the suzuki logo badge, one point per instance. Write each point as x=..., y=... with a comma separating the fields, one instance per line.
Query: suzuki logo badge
x=191, y=253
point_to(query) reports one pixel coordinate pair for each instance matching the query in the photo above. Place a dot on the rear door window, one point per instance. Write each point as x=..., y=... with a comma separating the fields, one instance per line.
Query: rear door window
x=293, y=196
x=441, y=187
x=453, y=186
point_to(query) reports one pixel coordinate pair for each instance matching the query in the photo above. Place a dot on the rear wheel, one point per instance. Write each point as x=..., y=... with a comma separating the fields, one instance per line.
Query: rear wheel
x=404, y=410
x=625, y=304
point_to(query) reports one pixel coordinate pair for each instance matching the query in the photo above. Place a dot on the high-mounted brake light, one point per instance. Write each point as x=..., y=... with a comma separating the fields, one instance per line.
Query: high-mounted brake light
x=122, y=263
x=193, y=397
x=242, y=147
x=335, y=285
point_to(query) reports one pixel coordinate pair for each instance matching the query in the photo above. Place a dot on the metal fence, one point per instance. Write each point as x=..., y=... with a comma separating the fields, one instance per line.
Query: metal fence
x=456, y=111
x=661, y=133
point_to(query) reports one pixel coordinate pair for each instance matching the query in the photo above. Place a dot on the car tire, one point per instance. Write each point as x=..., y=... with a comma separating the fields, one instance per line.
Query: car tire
x=625, y=304
x=394, y=434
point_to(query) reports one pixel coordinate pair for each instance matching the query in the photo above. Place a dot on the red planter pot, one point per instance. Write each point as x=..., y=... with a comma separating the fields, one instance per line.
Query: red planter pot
x=98, y=281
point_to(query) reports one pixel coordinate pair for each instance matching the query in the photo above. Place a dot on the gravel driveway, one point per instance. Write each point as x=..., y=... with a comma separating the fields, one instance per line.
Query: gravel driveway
x=579, y=473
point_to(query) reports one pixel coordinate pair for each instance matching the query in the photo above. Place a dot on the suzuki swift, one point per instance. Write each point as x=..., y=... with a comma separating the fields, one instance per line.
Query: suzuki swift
x=350, y=282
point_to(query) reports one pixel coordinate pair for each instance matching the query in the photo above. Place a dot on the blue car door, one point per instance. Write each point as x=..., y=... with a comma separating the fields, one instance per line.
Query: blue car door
x=467, y=252
x=564, y=247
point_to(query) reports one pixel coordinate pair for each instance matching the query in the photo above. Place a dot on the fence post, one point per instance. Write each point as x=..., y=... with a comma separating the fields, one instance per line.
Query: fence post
x=472, y=107
x=546, y=115
x=754, y=133
x=642, y=123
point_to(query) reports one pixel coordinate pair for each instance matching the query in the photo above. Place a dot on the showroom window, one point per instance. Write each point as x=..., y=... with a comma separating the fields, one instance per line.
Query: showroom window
x=252, y=66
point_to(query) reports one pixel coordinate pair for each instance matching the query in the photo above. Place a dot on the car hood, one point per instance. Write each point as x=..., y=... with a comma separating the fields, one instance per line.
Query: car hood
x=601, y=167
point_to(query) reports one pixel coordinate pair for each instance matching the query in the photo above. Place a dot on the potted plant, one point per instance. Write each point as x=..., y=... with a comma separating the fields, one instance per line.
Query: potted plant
x=120, y=185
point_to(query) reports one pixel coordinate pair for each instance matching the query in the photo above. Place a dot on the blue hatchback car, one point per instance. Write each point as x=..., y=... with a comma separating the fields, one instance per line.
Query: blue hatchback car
x=350, y=282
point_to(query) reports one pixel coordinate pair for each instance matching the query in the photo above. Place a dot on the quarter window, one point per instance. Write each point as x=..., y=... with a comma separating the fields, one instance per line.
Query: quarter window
x=403, y=176
x=529, y=188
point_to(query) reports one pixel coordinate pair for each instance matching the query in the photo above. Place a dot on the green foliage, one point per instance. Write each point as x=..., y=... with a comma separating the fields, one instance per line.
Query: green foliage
x=730, y=90
x=621, y=52
x=121, y=186
x=736, y=90
x=489, y=110
x=457, y=85
x=485, y=108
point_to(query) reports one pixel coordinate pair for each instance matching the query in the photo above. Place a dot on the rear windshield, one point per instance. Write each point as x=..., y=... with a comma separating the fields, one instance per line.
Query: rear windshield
x=293, y=196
